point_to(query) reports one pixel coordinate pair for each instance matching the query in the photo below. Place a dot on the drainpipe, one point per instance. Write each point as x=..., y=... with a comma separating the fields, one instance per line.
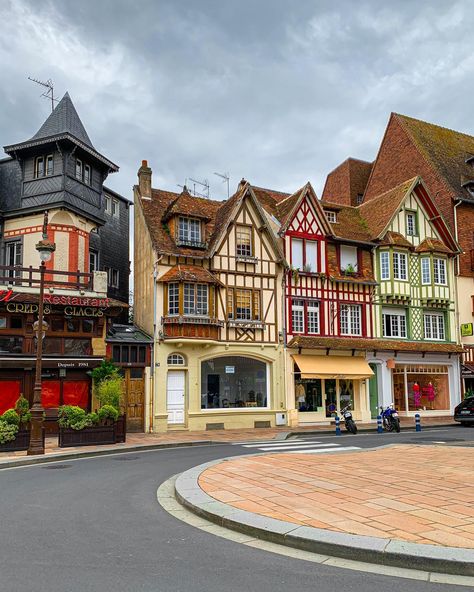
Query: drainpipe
x=456, y=273
x=285, y=365
x=152, y=373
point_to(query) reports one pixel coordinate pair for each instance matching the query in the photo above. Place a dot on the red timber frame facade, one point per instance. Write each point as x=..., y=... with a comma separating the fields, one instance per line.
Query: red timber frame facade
x=326, y=284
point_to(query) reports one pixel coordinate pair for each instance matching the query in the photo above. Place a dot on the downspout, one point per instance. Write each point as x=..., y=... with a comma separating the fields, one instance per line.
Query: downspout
x=456, y=274
x=152, y=373
x=285, y=365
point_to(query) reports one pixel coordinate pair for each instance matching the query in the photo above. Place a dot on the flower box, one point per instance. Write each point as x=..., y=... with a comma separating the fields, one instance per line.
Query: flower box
x=21, y=442
x=113, y=433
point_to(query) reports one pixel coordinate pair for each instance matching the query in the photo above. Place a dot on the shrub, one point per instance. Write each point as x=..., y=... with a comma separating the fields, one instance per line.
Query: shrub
x=107, y=412
x=22, y=407
x=94, y=418
x=11, y=417
x=8, y=431
x=106, y=370
x=111, y=391
x=71, y=416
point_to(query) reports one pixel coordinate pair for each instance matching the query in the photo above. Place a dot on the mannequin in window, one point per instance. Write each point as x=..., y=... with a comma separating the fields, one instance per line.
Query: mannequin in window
x=416, y=396
x=300, y=394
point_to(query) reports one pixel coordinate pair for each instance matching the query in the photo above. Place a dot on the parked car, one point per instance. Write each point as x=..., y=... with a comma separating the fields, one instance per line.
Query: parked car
x=464, y=412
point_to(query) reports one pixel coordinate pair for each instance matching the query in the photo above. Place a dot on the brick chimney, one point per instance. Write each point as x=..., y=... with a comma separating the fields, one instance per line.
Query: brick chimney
x=144, y=180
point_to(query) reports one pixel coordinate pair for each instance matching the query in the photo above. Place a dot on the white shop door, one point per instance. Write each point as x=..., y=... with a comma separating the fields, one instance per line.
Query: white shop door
x=175, y=396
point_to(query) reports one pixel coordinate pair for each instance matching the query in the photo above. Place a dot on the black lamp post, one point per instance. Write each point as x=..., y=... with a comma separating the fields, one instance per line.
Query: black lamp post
x=45, y=249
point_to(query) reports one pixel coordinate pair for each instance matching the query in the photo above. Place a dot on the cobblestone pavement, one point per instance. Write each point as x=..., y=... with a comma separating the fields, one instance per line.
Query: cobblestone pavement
x=413, y=493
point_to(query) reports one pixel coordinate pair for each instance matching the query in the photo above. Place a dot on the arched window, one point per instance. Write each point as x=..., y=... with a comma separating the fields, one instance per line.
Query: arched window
x=176, y=360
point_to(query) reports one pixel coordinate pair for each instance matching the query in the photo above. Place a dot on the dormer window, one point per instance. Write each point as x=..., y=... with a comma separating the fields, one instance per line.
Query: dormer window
x=331, y=216
x=43, y=166
x=189, y=230
x=349, y=260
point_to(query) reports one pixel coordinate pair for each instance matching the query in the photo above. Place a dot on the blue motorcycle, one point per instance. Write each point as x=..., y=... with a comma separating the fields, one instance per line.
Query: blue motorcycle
x=390, y=419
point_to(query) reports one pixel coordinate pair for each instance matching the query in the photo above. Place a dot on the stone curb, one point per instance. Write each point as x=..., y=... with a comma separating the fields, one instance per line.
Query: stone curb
x=397, y=553
x=371, y=430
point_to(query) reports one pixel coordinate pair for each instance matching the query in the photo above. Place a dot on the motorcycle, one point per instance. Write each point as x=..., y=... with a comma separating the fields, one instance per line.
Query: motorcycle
x=390, y=419
x=348, y=420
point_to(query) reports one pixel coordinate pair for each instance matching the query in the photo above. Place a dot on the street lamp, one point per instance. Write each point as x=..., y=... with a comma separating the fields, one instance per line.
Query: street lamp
x=45, y=249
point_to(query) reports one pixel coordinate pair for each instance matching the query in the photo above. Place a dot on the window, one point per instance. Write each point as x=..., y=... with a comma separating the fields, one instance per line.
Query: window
x=13, y=253
x=350, y=319
x=195, y=299
x=173, y=299
x=108, y=204
x=231, y=382
x=297, y=253
x=394, y=322
x=297, y=316
x=400, y=266
x=311, y=256
x=49, y=164
x=176, y=360
x=78, y=169
x=349, y=261
x=439, y=268
x=243, y=241
x=115, y=207
x=359, y=198
x=112, y=277
x=425, y=270
x=385, y=265
x=39, y=166
x=331, y=216
x=189, y=230
x=312, y=315
x=434, y=326
x=87, y=174
x=230, y=303
x=43, y=166
x=411, y=223
x=129, y=354
x=93, y=261
x=243, y=305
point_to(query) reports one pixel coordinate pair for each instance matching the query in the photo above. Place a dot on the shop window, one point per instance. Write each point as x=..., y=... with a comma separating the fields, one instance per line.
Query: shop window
x=243, y=241
x=51, y=394
x=350, y=320
x=400, y=266
x=176, y=360
x=76, y=393
x=434, y=326
x=308, y=395
x=439, y=271
x=16, y=322
x=11, y=345
x=234, y=382
x=425, y=270
x=411, y=225
x=52, y=345
x=394, y=322
x=384, y=265
x=427, y=387
x=88, y=325
x=73, y=325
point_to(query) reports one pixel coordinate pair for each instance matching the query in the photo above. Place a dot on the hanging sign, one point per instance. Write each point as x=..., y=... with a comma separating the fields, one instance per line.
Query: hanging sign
x=466, y=330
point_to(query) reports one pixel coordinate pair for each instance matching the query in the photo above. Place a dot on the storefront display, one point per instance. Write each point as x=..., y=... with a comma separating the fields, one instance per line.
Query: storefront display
x=418, y=387
x=308, y=394
x=233, y=382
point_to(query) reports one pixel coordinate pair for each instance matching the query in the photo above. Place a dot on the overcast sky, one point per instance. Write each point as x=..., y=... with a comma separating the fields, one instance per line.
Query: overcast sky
x=276, y=91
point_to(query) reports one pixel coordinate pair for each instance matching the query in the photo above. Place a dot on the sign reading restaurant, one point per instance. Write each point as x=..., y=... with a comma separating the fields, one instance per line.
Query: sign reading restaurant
x=76, y=301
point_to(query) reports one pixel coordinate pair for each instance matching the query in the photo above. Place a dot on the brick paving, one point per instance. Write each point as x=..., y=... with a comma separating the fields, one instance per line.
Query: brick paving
x=184, y=436
x=416, y=493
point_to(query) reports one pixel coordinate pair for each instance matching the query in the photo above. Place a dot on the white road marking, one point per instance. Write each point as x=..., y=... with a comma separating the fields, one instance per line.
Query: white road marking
x=296, y=447
x=317, y=451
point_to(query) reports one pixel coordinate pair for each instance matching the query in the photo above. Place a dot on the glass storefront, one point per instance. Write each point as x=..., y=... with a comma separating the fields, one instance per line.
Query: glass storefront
x=326, y=396
x=421, y=387
x=308, y=395
x=233, y=382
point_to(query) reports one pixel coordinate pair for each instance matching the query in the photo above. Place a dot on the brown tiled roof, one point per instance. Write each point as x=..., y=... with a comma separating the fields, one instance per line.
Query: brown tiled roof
x=355, y=343
x=445, y=149
x=433, y=245
x=189, y=273
x=379, y=211
x=391, y=238
x=271, y=193
x=190, y=205
x=350, y=224
x=347, y=181
x=285, y=207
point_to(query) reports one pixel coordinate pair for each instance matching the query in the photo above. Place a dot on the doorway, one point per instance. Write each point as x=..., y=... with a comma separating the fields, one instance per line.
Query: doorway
x=175, y=389
x=135, y=399
x=374, y=392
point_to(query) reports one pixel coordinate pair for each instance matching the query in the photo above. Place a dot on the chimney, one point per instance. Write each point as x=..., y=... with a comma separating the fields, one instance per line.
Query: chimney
x=144, y=180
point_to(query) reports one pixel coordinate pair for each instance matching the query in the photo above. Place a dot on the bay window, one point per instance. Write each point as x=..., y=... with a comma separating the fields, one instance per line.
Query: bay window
x=439, y=271
x=350, y=319
x=434, y=326
x=399, y=266
x=173, y=299
x=425, y=270
x=385, y=265
x=394, y=322
x=195, y=299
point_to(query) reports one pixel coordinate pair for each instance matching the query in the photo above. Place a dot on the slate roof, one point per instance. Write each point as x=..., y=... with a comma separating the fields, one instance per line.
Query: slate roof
x=127, y=334
x=189, y=273
x=356, y=343
x=445, y=149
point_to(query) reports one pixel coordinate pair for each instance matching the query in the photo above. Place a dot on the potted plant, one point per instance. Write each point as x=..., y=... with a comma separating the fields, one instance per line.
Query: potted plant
x=295, y=274
x=350, y=269
x=14, y=427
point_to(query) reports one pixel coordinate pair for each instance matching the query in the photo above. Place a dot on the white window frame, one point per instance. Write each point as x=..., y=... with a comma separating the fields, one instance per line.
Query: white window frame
x=173, y=299
x=331, y=216
x=351, y=319
x=108, y=204
x=398, y=258
x=434, y=326
x=176, y=360
x=312, y=317
x=189, y=229
x=79, y=169
x=297, y=256
x=411, y=226
x=384, y=265
x=310, y=263
x=348, y=256
x=115, y=207
x=93, y=256
x=297, y=315
x=398, y=323
x=439, y=271
x=242, y=248
x=425, y=271
x=87, y=174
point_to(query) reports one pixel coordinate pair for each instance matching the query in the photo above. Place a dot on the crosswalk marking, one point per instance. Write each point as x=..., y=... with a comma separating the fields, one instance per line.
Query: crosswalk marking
x=282, y=444
x=297, y=447
x=316, y=451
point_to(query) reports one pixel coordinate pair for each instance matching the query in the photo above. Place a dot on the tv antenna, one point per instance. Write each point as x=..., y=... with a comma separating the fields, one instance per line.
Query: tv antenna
x=204, y=184
x=49, y=92
x=225, y=179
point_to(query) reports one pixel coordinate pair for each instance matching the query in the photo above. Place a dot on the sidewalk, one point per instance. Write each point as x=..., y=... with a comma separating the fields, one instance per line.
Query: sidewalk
x=184, y=437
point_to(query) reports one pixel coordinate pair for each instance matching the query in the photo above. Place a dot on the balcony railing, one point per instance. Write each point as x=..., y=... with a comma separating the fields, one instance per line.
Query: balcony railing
x=194, y=244
x=15, y=275
x=191, y=320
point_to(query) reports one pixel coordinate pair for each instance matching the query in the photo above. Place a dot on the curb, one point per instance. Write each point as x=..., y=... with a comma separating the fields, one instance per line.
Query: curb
x=373, y=430
x=397, y=553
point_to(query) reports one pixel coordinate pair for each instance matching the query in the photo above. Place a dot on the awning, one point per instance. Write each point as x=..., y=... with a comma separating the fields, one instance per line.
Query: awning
x=333, y=367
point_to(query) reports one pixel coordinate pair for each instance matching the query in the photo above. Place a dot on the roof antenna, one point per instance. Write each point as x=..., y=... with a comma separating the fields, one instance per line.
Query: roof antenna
x=205, y=184
x=225, y=178
x=49, y=93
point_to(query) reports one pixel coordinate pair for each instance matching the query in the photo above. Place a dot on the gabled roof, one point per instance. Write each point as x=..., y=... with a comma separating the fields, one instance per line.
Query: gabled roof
x=190, y=205
x=350, y=225
x=447, y=151
x=347, y=181
x=395, y=239
x=433, y=245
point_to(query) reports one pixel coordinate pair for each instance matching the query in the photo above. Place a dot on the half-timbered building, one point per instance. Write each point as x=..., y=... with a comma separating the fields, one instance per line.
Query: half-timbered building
x=208, y=275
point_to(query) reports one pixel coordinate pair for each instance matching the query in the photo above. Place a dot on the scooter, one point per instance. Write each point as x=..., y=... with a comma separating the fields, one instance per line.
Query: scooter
x=348, y=420
x=390, y=419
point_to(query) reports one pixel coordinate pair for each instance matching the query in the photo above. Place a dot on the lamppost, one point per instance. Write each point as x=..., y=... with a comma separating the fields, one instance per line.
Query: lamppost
x=45, y=249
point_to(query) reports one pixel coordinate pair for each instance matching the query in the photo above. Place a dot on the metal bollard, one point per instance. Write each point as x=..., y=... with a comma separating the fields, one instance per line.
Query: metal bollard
x=379, y=425
x=417, y=422
x=338, y=426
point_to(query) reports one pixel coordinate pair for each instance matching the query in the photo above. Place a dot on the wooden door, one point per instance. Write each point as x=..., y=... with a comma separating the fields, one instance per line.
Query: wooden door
x=175, y=396
x=135, y=399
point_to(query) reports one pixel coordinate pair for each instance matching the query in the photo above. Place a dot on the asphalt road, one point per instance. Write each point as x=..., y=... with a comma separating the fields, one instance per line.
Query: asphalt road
x=95, y=525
